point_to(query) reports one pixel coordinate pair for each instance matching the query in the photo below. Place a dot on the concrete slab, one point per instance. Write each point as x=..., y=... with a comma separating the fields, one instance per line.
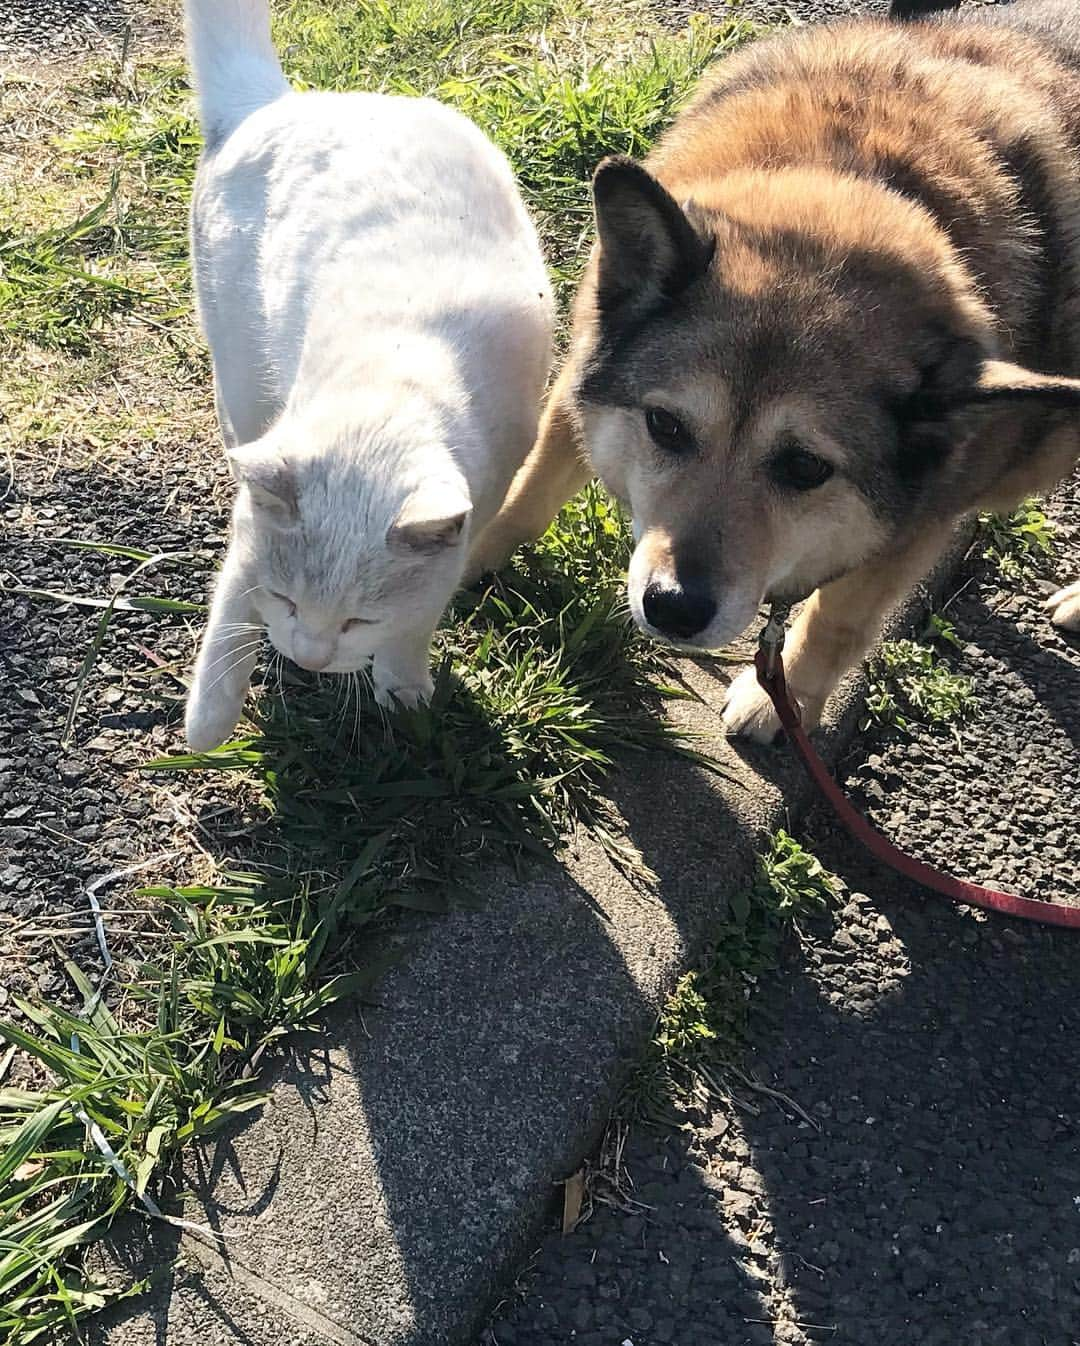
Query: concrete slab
x=404, y=1165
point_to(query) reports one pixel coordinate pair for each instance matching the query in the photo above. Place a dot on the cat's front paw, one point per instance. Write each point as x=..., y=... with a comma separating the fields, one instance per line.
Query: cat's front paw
x=211, y=719
x=409, y=695
x=748, y=711
x=1064, y=607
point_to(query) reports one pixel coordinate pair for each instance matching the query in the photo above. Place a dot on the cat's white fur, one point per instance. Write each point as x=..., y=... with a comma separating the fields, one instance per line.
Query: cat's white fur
x=379, y=315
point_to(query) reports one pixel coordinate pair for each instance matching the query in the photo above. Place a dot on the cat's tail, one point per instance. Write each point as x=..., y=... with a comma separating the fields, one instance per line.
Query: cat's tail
x=235, y=67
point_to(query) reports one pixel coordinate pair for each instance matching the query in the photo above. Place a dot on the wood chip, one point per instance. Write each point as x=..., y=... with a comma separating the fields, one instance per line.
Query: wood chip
x=573, y=1193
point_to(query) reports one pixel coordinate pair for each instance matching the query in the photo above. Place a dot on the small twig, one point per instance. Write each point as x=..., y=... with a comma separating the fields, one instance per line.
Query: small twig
x=953, y=597
x=9, y=456
x=778, y=1094
x=29, y=921
x=720, y=1091
x=31, y=931
x=62, y=836
x=806, y=1327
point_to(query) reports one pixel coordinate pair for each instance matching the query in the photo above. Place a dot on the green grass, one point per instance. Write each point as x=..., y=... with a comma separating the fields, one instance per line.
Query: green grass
x=556, y=83
x=238, y=975
x=910, y=680
x=538, y=75
x=1018, y=545
x=53, y=289
x=910, y=683
x=541, y=681
x=701, y=1029
x=63, y=286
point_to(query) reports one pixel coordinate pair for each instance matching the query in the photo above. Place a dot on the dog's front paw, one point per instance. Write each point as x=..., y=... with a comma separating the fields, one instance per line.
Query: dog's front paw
x=211, y=719
x=748, y=712
x=1064, y=607
x=489, y=553
x=389, y=692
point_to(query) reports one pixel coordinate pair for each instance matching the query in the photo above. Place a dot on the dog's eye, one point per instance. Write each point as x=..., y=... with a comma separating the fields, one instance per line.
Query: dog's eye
x=799, y=469
x=284, y=598
x=668, y=431
x=354, y=622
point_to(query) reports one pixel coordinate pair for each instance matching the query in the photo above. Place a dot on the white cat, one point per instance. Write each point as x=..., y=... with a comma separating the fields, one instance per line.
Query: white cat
x=379, y=315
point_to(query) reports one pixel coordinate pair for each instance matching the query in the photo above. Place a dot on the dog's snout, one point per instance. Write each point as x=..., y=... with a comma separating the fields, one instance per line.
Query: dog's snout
x=678, y=610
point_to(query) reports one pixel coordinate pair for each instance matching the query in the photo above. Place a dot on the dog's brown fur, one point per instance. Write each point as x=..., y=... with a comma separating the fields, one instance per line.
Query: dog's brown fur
x=861, y=241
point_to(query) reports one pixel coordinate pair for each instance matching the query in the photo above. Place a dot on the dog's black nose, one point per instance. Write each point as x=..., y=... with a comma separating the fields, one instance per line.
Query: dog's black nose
x=681, y=611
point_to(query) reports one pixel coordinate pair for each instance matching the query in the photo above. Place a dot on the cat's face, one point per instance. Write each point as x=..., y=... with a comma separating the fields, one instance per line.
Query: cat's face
x=345, y=566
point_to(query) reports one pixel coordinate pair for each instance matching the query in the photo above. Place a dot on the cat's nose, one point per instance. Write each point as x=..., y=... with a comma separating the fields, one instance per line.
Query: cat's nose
x=313, y=652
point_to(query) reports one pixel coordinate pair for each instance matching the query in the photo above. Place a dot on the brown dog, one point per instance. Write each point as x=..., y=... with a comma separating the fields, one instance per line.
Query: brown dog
x=833, y=312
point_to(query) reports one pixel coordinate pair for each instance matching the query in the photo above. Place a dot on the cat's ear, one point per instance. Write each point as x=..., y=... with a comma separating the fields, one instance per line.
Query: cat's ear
x=269, y=479
x=432, y=518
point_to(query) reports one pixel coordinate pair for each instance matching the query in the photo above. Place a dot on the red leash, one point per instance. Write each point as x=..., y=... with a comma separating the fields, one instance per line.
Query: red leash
x=770, y=672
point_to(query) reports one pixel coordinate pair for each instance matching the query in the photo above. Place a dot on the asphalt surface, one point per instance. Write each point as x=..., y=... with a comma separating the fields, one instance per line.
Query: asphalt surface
x=935, y=1199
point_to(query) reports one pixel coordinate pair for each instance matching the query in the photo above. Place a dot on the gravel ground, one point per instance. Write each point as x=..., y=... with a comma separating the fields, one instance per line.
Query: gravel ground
x=43, y=24
x=786, y=11
x=73, y=812
x=50, y=30
x=936, y=1197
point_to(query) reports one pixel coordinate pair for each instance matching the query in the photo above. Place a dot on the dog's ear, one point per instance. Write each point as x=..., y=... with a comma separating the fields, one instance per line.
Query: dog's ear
x=1000, y=381
x=649, y=248
x=955, y=377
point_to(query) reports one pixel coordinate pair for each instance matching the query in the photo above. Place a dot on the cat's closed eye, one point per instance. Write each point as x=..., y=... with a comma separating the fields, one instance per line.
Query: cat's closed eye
x=354, y=622
x=284, y=598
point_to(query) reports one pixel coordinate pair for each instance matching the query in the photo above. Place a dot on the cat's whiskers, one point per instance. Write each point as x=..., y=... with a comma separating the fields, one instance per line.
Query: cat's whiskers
x=358, y=705
x=245, y=649
x=238, y=662
x=353, y=704
x=343, y=689
x=277, y=669
x=249, y=627
x=384, y=717
x=228, y=670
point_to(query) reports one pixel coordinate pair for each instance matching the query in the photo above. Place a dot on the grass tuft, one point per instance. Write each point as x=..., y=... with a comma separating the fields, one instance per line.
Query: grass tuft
x=910, y=684
x=1018, y=545
x=121, y=1100
x=60, y=286
x=702, y=1026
